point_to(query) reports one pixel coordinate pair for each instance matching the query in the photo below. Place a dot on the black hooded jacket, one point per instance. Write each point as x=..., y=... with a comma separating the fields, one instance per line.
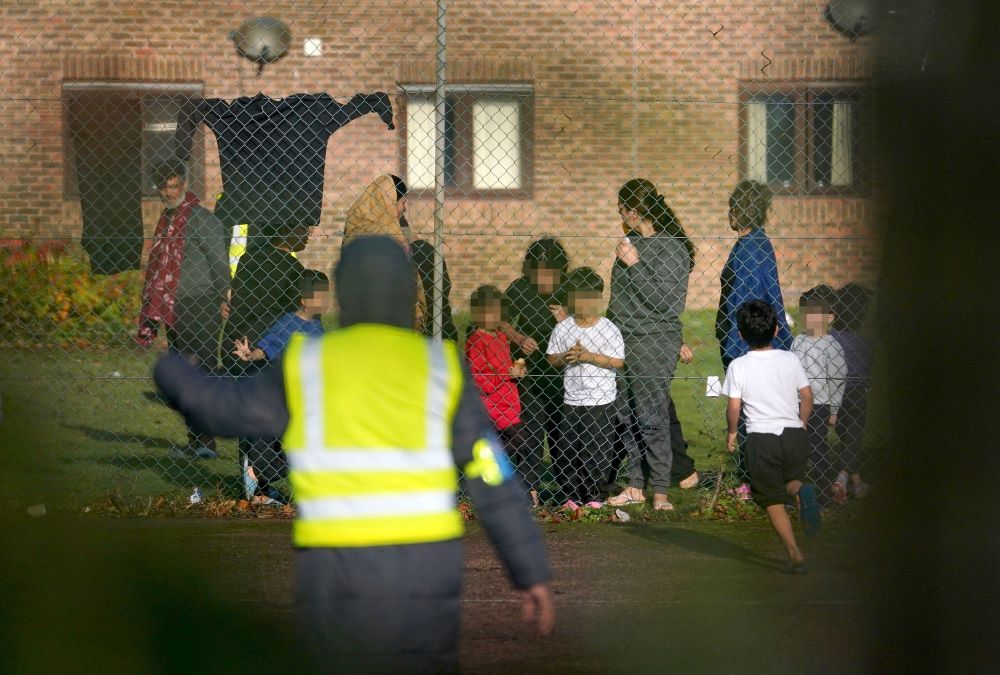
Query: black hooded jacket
x=375, y=284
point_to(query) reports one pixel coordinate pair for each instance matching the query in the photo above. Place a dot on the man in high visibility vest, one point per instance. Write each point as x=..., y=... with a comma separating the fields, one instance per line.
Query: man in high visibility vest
x=377, y=422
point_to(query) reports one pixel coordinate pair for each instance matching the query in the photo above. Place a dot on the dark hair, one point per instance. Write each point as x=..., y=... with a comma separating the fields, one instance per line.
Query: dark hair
x=851, y=306
x=822, y=296
x=400, y=187
x=757, y=321
x=167, y=170
x=311, y=281
x=486, y=295
x=641, y=196
x=584, y=279
x=547, y=252
x=749, y=203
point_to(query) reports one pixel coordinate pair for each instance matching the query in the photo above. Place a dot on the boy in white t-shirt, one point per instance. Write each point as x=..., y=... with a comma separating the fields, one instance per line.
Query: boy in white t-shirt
x=774, y=391
x=591, y=349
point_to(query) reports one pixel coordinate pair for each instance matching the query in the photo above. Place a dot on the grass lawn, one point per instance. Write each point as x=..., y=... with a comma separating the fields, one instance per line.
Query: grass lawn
x=78, y=426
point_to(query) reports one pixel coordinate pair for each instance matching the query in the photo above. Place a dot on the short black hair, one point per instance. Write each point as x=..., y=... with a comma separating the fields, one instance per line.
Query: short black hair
x=584, y=279
x=166, y=170
x=486, y=295
x=548, y=253
x=822, y=296
x=851, y=307
x=757, y=322
x=312, y=281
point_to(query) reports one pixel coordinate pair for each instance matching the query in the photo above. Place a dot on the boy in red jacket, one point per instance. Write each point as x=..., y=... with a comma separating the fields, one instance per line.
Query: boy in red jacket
x=487, y=350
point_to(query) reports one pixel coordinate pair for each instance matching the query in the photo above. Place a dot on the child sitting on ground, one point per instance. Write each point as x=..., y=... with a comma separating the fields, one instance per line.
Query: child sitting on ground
x=823, y=360
x=850, y=311
x=487, y=351
x=269, y=463
x=774, y=391
x=591, y=349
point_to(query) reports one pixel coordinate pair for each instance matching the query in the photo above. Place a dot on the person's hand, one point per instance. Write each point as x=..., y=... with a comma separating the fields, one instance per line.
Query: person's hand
x=731, y=442
x=627, y=253
x=687, y=356
x=832, y=421
x=242, y=349
x=225, y=309
x=528, y=346
x=558, y=313
x=538, y=607
x=573, y=355
x=519, y=369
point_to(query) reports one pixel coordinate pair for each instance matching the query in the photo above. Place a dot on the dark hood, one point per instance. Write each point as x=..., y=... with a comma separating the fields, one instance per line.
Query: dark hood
x=375, y=283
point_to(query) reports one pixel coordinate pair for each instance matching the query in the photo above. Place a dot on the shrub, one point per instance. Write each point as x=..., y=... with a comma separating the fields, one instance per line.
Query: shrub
x=48, y=297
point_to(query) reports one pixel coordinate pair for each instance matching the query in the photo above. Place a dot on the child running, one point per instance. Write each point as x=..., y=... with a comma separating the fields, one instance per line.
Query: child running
x=265, y=462
x=591, y=349
x=822, y=357
x=773, y=388
x=487, y=350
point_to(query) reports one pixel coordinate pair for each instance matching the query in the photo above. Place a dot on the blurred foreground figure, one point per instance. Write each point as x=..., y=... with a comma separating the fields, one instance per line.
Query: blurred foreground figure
x=376, y=420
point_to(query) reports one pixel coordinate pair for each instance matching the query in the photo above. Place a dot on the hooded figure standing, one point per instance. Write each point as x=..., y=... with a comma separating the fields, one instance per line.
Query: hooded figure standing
x=378, y=421
x=380, y=210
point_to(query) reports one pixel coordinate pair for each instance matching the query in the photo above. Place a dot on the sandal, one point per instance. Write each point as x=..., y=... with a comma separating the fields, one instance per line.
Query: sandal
x=690, y=482
x=625, y=499
x=663, y=505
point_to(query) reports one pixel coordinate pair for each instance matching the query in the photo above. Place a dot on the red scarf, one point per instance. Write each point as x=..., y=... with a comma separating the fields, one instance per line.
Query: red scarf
x=163, y=272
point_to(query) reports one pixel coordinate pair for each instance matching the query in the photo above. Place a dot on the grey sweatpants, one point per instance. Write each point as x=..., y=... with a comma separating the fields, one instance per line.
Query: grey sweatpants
x=383, y=609
x=650, y=361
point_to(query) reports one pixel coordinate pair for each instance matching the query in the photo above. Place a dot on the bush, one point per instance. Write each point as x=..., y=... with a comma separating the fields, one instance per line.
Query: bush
x=48, y=297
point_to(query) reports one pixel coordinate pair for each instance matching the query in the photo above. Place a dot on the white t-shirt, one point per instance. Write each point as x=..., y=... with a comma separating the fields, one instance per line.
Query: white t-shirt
x=585, y=383
x=768, y=383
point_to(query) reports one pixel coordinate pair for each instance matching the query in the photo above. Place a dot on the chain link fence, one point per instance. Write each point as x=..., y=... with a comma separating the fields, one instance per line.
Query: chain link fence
x=186, y=175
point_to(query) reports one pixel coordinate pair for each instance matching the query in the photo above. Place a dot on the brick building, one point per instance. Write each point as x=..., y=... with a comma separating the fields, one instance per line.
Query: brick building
x=566, y=99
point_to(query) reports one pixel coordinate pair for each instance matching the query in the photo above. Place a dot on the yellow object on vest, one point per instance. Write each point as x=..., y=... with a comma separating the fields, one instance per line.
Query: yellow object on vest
x=369, y=437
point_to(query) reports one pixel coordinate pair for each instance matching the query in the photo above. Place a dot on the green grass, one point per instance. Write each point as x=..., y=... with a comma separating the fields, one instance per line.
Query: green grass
x=77, y=427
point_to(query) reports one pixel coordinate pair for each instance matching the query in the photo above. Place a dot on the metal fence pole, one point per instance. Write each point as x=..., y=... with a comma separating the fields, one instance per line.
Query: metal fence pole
x=439, y=109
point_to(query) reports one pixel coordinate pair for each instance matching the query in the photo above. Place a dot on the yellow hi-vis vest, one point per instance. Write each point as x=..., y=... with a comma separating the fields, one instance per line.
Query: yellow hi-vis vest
x=369, y=437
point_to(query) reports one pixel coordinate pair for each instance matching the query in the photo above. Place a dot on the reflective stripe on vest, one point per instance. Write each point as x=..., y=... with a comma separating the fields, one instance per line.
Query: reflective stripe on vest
x=369, y=435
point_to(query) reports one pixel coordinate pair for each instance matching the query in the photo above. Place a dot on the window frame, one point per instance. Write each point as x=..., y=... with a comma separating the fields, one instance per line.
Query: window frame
x=803, y=94
x=463, y=98
x=129, y=91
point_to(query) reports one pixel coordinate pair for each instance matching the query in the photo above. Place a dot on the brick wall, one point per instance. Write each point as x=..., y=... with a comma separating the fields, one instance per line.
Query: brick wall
x=622, y=89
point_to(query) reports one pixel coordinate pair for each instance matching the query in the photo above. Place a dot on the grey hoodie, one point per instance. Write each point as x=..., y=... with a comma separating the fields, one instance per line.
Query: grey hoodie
x=648, y=297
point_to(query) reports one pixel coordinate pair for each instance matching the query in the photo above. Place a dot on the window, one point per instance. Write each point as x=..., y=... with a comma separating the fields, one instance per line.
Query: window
x=137, y=121
x=487, y=140
x=805, y=139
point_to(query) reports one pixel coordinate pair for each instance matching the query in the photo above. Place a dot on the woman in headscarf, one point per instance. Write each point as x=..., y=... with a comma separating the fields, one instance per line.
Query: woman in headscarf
x=380, y=210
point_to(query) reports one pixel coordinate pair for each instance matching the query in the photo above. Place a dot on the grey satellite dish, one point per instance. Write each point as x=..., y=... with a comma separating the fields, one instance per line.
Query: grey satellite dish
x=263, y=40
x=852, y=18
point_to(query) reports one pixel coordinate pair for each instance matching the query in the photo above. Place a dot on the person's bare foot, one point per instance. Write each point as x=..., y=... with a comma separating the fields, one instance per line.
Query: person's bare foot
x=689, y=482
x=534, y=498
x=660, y=503
x=628, y=496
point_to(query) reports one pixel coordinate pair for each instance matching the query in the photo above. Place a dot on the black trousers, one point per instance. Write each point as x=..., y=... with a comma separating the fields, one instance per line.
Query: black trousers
x=195, y=333
x=822, y=470
x=851, y=420
x=541, y=412
x=585, y=446
x=263, y=454
x=385, y=609
x=522, y=452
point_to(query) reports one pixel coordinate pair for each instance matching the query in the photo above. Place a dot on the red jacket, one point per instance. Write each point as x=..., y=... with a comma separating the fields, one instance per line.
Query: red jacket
x=490, y=363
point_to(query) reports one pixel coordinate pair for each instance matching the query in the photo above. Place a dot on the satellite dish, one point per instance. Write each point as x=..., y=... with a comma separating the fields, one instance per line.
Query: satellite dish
x=263, y=40
x=852, y=18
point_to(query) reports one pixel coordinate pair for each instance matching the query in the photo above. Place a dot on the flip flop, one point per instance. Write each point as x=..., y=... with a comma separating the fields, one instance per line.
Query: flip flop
x=812, y=518
x=629, y=501
x=662, y=506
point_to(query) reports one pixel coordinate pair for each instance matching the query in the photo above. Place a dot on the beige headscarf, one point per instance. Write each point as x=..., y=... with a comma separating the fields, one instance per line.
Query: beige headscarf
x=374, y=213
